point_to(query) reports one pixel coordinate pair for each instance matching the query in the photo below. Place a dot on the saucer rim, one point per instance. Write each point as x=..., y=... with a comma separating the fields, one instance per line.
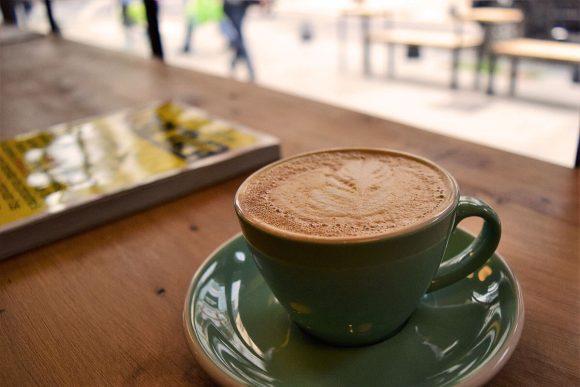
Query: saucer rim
x=218, y=374
x=477, y=377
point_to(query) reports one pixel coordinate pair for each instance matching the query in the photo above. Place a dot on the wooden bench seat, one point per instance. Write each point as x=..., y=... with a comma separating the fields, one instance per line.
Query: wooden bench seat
x=454, y=41
x=539, y=49
x=534, y=49
x=437, y=39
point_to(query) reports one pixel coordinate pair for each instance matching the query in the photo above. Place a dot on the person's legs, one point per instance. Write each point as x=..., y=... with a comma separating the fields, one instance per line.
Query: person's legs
x=246, y=56
x=233, y=14
x=236, y=15
x=188, y=35
x=227, y=31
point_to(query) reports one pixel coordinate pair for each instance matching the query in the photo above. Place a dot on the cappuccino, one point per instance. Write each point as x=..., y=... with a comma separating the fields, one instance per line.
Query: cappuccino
x=346, y=194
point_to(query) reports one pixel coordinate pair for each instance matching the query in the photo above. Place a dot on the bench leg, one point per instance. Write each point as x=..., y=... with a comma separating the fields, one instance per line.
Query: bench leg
x=390, y=60
x=365, y=27
x=342, y=37
x=455, y=68
x=478, y=67
x=513, y=75
x=491, y=74
x=576, y=73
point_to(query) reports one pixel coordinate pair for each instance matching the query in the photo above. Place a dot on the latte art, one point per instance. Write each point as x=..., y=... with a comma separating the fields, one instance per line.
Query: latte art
x=357, y=189
x=345, y=193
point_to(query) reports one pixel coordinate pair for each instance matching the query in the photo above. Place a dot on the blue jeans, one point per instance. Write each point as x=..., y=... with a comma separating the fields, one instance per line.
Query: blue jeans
x=189, y=27
x=236, y=14
x=225, y=28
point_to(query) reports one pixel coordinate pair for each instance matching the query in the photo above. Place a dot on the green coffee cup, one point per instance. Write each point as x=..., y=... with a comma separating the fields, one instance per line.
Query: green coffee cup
x=360, y=285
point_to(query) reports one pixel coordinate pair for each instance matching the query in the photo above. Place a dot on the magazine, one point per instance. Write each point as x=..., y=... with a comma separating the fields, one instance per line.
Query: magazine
x=72, y=176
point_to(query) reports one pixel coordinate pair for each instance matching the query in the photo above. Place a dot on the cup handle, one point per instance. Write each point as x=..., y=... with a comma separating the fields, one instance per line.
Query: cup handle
x=478, y=252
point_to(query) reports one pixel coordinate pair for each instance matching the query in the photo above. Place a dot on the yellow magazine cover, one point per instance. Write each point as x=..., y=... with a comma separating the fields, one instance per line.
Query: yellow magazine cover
x=61, y=169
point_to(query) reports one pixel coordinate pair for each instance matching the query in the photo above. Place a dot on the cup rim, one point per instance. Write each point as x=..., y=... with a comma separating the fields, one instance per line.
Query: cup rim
x=294, y=236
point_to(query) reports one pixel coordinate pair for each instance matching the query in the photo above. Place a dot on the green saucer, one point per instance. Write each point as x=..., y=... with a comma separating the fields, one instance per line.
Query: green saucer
x=240, y=334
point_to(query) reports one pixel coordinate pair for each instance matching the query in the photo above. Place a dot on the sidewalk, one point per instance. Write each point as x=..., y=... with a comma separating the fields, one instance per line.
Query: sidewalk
x=541, y=122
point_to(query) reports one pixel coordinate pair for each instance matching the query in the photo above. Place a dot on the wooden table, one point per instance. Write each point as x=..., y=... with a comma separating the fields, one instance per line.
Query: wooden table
x=104, y=307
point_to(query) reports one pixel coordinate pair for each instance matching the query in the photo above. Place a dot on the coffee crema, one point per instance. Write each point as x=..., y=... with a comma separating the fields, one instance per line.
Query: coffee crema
x=345, y=193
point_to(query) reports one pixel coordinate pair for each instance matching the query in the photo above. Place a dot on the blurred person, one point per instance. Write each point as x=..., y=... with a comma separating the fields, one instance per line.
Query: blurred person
x=198, y=12
x=235, y=10
x=8, y=12
x=132, y=15
x=26, y=6
x=16, y=12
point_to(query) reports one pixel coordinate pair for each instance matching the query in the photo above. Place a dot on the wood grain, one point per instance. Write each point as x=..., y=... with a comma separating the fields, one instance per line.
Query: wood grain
x=104, y=307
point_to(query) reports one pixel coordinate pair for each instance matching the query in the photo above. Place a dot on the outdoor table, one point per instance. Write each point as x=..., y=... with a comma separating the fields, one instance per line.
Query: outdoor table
x=365, y=15
x=489, y=18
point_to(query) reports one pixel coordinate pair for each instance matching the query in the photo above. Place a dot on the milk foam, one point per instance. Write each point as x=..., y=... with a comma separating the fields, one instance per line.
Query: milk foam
x=346, y=193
